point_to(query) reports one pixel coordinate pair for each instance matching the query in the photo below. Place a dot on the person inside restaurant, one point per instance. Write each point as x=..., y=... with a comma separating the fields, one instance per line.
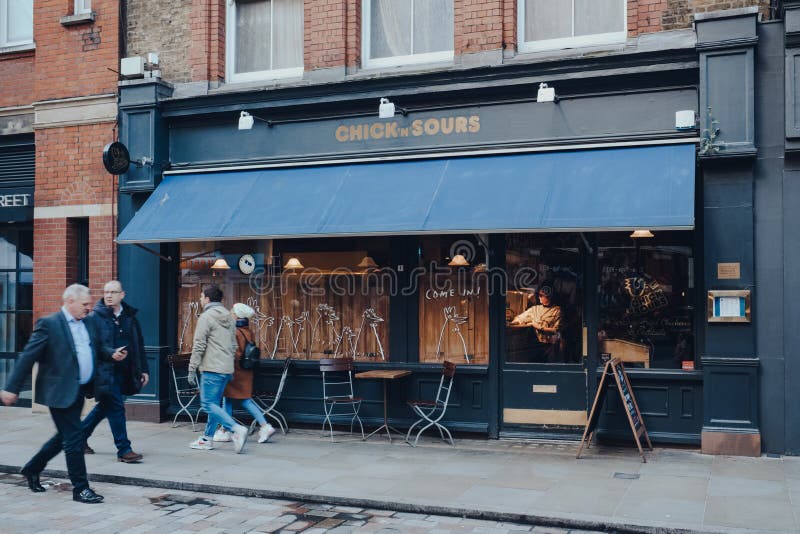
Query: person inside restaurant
x=546, y=317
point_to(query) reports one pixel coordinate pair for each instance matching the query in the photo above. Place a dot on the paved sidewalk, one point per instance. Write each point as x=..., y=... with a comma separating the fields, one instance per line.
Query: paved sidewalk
x=608, y=489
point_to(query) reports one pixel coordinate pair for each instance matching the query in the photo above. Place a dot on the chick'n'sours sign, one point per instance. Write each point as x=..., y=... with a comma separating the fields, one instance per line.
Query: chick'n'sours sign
x=399, y=128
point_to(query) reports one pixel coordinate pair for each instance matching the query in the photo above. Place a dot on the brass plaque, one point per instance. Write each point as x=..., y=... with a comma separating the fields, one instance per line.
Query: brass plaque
x=728, y=271
x=545, y=388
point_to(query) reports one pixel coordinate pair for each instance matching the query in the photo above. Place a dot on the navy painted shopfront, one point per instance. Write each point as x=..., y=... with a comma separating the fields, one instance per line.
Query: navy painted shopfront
x=550, y=191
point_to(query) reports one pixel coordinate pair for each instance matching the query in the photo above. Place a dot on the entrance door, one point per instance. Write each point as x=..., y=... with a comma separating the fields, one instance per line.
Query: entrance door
x=543, y=371
x=16, y=300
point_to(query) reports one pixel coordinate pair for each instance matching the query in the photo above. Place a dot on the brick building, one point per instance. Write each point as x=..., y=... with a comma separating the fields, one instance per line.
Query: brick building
x=58, y=108
x=303, y=80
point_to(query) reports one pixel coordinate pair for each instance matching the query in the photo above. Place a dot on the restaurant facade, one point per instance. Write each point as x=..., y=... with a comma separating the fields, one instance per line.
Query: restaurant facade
x=525, y=238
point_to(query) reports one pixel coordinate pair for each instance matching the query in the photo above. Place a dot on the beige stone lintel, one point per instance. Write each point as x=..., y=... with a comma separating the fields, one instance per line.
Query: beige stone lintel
x=79, y=210
x=75, y=111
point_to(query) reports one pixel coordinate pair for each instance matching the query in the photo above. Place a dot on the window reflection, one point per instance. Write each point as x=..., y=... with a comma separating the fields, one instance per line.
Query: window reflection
x=453, y=300
x=647, y=299
x=544, y=302
x=332, y=300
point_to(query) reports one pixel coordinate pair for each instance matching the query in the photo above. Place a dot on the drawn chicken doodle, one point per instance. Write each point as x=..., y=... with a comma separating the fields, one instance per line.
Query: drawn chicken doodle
x=372, y=319
x=260, y=322
x=345, y=343
x=192, y=310
x=295, y=327
x=326, y=320
x=451, y=316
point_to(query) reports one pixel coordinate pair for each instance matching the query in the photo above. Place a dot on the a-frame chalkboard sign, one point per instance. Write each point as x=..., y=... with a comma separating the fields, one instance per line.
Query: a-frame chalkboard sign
x=616, y=369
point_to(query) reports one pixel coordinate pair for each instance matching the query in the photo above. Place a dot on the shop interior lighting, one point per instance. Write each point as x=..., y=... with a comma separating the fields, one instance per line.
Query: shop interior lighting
x=458, y=261
x=636, y=234
x=293, y=263
x=546, y=94
x=220, y=265
x=367, y=263
x=387, y=109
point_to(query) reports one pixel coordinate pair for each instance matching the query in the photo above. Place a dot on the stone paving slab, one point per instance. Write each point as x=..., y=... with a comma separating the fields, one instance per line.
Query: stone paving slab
x=520, y=482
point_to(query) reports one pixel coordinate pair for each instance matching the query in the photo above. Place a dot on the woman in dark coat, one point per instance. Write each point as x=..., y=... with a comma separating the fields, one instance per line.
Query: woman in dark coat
x=240, y=389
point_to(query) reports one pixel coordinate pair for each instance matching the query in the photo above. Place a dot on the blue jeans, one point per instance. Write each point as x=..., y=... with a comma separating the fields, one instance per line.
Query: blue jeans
x=247, y=404
x=212, y=385
x=111, y=407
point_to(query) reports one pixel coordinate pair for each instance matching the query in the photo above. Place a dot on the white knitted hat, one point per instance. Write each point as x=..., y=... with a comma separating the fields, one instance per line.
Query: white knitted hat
x=243, y=311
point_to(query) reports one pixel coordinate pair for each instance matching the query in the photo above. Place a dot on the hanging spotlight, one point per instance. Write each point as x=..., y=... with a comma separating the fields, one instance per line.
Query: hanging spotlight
x=636, y=234
x=293, y=263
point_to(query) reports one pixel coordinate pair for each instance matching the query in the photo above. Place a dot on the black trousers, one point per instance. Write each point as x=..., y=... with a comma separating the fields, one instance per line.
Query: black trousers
x=69, y=438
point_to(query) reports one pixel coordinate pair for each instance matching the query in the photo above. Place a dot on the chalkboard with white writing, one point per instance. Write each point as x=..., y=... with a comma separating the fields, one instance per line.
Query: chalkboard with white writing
x=616, y=369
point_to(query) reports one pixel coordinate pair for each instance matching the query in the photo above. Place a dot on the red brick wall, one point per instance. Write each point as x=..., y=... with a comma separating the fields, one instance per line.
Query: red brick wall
x=510, y=24
x=69, y=172
x=207, y=47
x=16, y=79
x=324, y=33
x=478, y=25
x=75, y=60
x=353, y=58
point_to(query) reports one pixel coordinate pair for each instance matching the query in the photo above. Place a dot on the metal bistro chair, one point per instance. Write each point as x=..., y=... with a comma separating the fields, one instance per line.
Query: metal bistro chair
x=185, y=393
x=432, y=411
x=267, y=401
x=337, y=391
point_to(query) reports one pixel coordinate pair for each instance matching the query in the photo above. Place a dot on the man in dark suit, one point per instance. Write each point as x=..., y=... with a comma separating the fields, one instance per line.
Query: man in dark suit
x=72, y=365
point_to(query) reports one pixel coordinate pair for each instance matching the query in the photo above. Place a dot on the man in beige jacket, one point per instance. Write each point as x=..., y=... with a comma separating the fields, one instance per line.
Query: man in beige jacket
x=213, y=351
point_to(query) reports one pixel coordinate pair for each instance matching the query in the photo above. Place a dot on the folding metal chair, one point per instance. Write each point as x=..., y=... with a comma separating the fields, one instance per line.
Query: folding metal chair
x=267, y=401
x=337, y=392
x=184, y=392
x=432, y=411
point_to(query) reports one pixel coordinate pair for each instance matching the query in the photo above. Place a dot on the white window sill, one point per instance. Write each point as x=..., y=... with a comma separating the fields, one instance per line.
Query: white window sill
x=78, y=18
x=17, y=48
x=408, y=68
x=565, y=53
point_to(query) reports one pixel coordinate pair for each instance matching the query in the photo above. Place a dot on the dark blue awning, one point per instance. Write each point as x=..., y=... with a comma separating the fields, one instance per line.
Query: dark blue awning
x=611, y=189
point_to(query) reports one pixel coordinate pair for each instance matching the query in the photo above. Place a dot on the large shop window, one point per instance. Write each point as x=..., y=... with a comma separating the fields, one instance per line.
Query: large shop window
x=16, y=22
x=552, y=25
x=647, y=299
x=264, y=39
x=400, y=32
x=544, y=300
x=313, y=298
x=453, y=300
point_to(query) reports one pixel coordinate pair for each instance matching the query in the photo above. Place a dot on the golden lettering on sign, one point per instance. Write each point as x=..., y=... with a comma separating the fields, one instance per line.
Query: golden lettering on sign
x=418, y=128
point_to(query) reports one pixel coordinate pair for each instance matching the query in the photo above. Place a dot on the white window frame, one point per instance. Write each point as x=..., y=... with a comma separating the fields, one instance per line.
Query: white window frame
x=82, y=7
x=4, y=43
x=395, y=61
x=230, y=55
x=596, y=39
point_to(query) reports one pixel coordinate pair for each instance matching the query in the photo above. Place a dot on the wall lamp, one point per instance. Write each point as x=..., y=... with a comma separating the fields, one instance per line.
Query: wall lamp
x=387, y=108
x=546, y=93
x=246, y=121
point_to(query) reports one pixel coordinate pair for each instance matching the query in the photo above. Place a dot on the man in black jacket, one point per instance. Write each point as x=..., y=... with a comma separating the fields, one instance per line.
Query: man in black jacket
x=119, y=328
x=72, y=365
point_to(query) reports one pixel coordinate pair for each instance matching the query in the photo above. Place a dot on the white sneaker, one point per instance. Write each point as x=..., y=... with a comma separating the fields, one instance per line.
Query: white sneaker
x=222, y=435
x=202, y=443
x=239, y=438
x=265, y=433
